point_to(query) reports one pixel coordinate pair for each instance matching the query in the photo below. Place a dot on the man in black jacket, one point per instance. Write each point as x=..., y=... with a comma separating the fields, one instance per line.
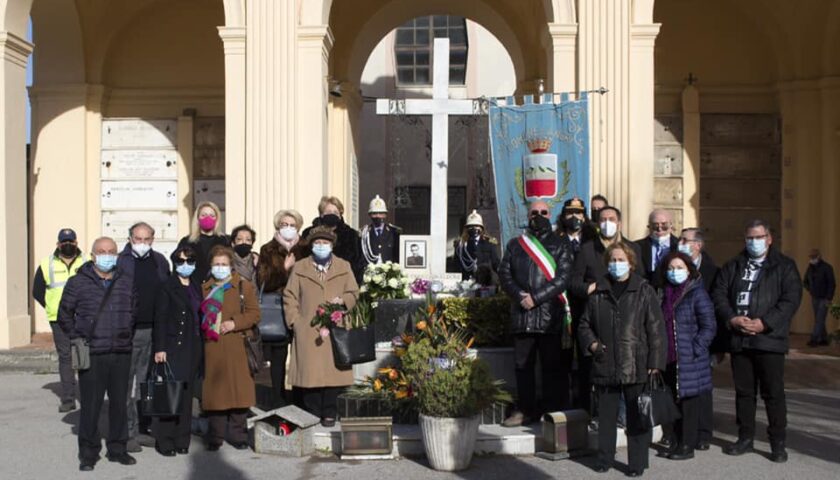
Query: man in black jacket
x=99, y=304
x=539, y=319
x=148, y=269
x=819, y=281
x=657, y=245
x=756, y=294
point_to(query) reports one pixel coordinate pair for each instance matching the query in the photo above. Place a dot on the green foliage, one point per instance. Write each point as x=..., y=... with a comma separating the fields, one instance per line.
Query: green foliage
x=486, y=319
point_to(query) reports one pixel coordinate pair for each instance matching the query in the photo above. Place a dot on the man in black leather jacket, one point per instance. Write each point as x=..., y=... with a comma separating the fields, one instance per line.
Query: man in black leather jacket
x=537, y=318
x=756, y=295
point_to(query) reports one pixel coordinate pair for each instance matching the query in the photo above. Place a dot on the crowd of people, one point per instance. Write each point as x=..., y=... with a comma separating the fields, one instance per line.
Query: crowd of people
x=603, y=314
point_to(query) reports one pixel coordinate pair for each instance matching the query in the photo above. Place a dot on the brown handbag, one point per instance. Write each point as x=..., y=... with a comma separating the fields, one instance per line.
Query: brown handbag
x=252, y=339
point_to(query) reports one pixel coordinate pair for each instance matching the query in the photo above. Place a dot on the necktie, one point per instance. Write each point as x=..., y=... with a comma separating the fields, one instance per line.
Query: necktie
x=575, y=245
x=660, y=251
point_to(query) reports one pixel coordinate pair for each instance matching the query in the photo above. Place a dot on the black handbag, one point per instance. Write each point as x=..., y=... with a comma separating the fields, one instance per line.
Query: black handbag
x=252, y=339
x=356, y=345
x=161, y=395
x=273, y=327
x=656, y=403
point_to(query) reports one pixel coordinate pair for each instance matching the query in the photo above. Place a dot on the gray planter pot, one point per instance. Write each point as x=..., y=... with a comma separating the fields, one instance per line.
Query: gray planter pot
x=449, y=442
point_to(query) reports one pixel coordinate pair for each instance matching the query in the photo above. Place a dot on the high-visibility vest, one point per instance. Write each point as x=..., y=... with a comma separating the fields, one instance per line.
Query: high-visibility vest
x=56, y=273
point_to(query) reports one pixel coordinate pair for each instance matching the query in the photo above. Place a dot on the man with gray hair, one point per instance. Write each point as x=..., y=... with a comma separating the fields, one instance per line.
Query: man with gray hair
x=99, y=306
x=148, y=269
x=756, y=294
x=657, y=244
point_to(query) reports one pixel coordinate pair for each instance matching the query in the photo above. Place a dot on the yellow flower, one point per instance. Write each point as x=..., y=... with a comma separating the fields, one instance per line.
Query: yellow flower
x=385, y=370
x=430, y=309
x=401, y=394
x=421, y=325
x=399, y=352
x=377, y=385
x=470, y=343
x=393, y=374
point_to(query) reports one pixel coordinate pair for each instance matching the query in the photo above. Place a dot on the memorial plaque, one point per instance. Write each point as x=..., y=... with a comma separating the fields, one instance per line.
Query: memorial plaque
x=732, y=161
x=740, y=192
x=669, y=160
x=667, y=191
x=668, y=128
x=209, y=190
x=739, y=129
x=138, y=133
x=139, y=164
x=146, y=195
x=165, y=248
x=116, y=224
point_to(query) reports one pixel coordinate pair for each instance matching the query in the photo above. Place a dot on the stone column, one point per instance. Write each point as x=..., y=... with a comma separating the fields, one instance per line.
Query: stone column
x=691, y=156
x=563, y=57
x=343, y=115
x=15, y=326
x=234, y=40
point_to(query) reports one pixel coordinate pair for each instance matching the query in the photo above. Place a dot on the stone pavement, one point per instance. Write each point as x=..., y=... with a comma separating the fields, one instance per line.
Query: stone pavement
x=39, y=443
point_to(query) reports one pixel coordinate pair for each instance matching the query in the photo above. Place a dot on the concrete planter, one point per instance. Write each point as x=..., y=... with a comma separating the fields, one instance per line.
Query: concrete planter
x=502, y=364
x=449, y=442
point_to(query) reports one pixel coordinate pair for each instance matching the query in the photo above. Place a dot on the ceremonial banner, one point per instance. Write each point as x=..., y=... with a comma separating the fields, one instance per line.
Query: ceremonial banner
x=540, y=152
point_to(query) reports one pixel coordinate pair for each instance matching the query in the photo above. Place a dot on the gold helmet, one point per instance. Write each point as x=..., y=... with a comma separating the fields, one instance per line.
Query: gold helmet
x=377, y=205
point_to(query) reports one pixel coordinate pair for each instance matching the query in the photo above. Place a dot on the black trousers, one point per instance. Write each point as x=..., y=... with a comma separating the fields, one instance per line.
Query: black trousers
x=684, y=430
x=276, y=354
x=556, y=365
x=174, y=432
x=757, y=371
x=107, y=373
x=65, y=364
x=321, y=402
x=233, y=420
x=638, y=437
x=582, y=386
x=706, y=420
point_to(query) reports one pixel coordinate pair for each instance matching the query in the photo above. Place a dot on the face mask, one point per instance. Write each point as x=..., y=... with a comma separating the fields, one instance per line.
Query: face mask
x=666, y=240
x=67, y=250
x=288, y=233
x=684, y=248
x=474, y=232
x=140, y=249
x=814, y=261
x=377, y=222
x=757, y=247
x=594, y=213
x=185, y=269
x=608, y=229
x=207, y=223
x=330, y=220
x=243, y=249
x=539, y=224
x=322, y=251
x=572, y=224
x=677, y=277
x=220, y=272
x=618, y=269
x=105, y=262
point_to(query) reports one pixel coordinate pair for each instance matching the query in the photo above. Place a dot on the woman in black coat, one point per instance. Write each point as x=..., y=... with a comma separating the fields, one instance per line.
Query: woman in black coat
x=622, y=329
x=177, y=342
x=205, y=233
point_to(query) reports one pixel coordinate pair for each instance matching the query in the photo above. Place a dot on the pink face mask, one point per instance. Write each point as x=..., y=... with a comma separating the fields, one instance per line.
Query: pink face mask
x=207, y=223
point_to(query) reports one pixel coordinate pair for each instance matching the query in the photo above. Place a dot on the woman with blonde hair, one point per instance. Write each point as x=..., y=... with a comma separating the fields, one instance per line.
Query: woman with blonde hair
x=205, y=233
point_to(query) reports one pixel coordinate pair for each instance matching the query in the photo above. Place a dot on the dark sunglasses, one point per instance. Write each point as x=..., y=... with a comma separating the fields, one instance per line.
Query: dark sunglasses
x=181, y=261
x=539, y=212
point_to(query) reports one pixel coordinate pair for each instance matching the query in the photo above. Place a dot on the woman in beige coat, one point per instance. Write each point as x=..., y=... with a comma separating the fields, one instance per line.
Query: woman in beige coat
x=316, y=280
x=228, y=311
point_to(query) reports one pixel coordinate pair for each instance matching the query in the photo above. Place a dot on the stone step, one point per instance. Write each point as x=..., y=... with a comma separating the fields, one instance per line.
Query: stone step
x=28, y=360
x=492, y=439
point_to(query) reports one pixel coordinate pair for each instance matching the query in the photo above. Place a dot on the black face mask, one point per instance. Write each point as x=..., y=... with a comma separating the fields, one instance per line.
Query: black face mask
x=330, y=220
x=474, y=232
x=572, y=224
x=67, y=250
x=243, y=249
x=594, y=212
x=377, y=222
x=539, y=225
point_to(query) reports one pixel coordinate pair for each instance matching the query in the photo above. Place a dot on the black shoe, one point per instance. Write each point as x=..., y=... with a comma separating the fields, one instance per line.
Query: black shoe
x=68, y=406
x=601, y=468
x=328, y=422
x=742, y=446
x=778, y=453
x=212, y=447
x=635, y=473
x=122, y=459
x=683, y=452
x=182, y=451
x=86, y=467
x=241, y=446
x=668, y=442
x=702, y=446
x=165, y=453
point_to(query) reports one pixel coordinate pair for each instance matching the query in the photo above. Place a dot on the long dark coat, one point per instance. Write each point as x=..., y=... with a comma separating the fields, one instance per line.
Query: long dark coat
x=694, y=329
x=176, y=329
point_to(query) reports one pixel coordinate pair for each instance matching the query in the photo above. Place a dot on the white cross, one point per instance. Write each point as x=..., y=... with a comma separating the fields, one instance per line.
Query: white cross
x=440, y=106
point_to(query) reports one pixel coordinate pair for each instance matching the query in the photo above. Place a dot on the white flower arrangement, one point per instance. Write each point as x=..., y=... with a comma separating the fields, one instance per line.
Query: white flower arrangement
x=385, y=281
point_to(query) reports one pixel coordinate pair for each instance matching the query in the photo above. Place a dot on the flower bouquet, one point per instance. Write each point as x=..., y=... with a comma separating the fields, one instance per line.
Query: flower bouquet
x=385, y=281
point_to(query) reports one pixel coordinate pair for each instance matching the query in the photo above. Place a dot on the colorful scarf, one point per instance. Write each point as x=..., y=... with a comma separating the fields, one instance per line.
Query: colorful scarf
x=211, y=307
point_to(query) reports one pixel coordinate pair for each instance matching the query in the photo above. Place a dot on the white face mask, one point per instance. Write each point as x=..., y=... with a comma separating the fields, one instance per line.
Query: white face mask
x=288, y=233
x=220, y=272
x=140, y=249
x=608, y=229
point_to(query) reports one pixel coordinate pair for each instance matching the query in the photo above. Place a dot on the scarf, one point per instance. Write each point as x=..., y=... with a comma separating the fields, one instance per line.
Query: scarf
x=286, y=244
x=669, y=304
x=211, y=307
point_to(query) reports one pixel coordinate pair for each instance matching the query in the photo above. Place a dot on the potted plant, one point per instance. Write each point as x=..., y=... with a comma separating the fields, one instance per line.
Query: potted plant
x=450, y=389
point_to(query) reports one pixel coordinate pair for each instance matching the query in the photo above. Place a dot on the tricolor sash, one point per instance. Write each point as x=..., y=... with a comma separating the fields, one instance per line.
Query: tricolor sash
x=545, y=262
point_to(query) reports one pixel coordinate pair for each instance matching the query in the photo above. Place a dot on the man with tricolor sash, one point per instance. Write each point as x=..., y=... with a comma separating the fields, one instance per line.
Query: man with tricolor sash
x=534, y=273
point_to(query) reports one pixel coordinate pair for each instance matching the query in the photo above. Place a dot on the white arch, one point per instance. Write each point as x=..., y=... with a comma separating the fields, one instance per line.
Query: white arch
x=14, y=16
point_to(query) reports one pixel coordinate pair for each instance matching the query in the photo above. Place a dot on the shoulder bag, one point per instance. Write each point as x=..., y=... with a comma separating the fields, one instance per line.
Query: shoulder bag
x=80, y=346
x=252, y=339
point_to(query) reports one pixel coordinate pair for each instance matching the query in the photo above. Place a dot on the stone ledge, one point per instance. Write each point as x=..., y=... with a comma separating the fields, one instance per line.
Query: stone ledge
x=35, y=361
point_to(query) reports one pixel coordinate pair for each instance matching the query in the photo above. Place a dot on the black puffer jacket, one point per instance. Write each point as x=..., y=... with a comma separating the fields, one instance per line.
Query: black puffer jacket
x=774, y=300
x=630, y=332
x=80, y=302
x=519, y=274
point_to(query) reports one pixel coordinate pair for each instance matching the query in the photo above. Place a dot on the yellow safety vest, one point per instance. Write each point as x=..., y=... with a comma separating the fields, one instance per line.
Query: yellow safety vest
x=56, y=273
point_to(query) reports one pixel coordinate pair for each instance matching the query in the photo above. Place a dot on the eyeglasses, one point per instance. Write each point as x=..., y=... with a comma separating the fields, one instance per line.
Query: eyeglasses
x=181, y=261
x=757, y=237
x=660, y=227
x=544, y=213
